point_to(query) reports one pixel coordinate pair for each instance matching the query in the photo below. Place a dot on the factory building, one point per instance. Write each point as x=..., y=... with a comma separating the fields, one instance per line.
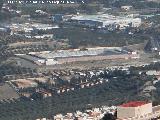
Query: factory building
x=106, y=19
x=75, y=55
x=134, y=109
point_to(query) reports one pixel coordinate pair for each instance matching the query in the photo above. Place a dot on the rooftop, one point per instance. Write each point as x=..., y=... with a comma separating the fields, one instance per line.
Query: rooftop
x=134, y=104
x=78, y=52
x=106, y=18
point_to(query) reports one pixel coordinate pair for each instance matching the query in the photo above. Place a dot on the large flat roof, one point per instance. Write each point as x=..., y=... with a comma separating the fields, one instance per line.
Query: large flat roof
x=79, y=53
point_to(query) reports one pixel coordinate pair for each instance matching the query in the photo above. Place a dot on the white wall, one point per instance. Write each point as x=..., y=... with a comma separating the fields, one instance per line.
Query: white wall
x=143, y=110
x=41, y=61
x=51, y=62
x=127, y=112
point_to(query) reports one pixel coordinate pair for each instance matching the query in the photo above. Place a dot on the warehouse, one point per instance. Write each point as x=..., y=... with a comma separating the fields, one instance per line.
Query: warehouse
x=75, y=55
x=106, y=19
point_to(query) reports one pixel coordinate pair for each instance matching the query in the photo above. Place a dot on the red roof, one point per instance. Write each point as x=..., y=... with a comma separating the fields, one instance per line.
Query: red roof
x=134, y=104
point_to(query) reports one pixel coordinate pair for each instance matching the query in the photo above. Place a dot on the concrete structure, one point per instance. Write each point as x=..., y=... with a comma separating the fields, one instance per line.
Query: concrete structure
x=134, y=109
x=51, y=62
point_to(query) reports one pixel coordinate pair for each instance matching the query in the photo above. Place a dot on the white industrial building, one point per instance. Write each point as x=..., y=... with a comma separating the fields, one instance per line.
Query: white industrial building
x=74, y=55
x=106, y=19
x=126, y=7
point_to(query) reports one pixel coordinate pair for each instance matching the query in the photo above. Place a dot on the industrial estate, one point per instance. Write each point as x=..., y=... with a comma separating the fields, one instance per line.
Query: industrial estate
x=79, y=60
x=89, y=54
